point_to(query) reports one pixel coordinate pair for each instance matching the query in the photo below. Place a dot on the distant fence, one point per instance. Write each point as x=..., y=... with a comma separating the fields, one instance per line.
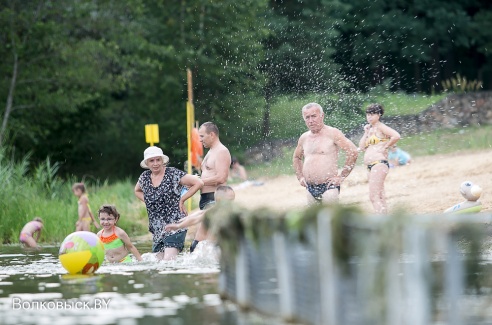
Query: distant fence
x=339, y=267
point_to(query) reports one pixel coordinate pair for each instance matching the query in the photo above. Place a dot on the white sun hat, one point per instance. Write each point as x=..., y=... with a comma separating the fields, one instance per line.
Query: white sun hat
x=152, y=152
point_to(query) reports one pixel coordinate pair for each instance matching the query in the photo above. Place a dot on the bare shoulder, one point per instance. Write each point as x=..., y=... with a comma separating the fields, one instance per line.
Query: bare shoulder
x=386, y=129
x=119, y=232
x=334, y=133
x=84, y=199
x=223, y=150
x=99, y=233
x=303, y=137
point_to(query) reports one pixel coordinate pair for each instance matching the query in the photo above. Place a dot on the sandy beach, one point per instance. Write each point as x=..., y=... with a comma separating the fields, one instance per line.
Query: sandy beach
x=429, y=185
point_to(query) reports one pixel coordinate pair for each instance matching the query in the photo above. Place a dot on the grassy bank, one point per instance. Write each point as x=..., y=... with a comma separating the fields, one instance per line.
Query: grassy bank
x=438, y=142
x=26, y=193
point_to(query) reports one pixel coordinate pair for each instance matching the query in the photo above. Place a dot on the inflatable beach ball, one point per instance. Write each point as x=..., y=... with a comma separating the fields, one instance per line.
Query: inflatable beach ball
x=82, y=252
x=470, y=191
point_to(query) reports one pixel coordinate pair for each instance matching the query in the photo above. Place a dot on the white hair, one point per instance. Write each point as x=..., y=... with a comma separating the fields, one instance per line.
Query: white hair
x=308, y=106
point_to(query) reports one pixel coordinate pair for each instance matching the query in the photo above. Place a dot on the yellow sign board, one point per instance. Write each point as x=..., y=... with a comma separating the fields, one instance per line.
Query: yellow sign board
x=152, y=133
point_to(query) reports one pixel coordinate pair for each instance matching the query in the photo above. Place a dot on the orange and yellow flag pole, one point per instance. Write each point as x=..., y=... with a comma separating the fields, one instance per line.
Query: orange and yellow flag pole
x=190, y=120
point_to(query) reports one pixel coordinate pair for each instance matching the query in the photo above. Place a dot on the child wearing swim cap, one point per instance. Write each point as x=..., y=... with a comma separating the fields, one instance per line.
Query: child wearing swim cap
x=115, y=240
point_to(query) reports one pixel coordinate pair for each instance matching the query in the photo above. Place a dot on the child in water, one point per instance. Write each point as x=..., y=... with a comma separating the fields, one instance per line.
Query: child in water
x=85, y=213
x=116, y=241
x=223, y=193
x=31, y=229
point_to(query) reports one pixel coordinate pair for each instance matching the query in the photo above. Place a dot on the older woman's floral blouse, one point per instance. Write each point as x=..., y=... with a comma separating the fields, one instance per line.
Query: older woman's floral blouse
x=162, y=201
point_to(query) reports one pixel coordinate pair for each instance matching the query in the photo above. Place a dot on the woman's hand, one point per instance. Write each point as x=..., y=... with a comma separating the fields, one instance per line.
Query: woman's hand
x=335, y=180
x=182, y=207
x=367, y=127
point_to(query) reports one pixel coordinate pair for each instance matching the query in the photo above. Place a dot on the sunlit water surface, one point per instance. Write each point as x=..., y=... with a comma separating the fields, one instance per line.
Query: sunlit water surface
x=36, y=289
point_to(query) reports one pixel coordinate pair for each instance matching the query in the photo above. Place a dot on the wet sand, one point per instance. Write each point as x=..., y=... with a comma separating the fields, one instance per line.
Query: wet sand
x=429, y=185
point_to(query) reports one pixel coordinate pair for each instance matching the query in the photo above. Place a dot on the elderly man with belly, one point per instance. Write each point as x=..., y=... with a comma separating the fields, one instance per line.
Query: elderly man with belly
x=315, y=158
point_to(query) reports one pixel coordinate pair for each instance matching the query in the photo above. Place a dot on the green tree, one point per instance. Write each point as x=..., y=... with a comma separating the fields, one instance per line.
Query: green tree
x=299, y=50
x=417, y=43
x=66, y=64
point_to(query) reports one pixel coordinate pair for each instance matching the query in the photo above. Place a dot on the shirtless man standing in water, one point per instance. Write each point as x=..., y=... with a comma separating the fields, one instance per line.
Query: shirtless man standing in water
x=319, y=147
x=215, y=171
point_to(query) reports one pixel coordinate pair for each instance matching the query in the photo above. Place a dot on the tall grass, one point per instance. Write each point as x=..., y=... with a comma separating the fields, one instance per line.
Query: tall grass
x=29, y=192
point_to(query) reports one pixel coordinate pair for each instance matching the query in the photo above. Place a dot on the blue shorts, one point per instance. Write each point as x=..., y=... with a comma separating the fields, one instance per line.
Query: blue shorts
x=175, y=240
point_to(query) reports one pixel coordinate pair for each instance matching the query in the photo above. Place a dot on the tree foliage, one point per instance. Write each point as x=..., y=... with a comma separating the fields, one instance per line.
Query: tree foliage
x=81, y=78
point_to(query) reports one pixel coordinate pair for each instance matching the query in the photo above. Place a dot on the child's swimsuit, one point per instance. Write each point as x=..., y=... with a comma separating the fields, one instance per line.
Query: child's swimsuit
x=317, y=190
x=112, y=242
x=24, y=235
x=87, y=219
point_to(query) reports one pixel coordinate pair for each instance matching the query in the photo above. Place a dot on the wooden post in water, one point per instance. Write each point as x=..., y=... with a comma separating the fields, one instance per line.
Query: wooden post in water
x=242, y=282
x=284, y=277
x=327, y=269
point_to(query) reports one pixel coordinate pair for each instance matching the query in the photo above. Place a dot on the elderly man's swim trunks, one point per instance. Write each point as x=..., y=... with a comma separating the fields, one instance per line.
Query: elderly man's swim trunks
x=374, y=163
x=317, y=190
x=206, y=199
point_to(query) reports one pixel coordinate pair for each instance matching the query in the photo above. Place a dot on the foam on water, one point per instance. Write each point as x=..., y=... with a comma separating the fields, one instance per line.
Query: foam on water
x=203, y=260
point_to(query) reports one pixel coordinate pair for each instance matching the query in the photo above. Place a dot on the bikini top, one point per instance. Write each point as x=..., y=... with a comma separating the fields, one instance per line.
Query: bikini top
x=374, y=139
x=112, y=241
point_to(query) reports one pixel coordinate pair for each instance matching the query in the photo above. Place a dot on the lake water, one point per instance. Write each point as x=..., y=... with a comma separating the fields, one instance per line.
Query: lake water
x=36, y=289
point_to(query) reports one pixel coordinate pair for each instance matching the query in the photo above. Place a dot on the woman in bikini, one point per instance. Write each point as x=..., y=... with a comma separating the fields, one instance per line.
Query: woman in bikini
x=85, y=214
x=116, y=242
x=376, y=140
x=29, y=231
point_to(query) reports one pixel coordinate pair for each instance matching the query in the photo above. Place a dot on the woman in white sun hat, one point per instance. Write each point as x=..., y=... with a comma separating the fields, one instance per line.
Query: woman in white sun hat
x=160, y=189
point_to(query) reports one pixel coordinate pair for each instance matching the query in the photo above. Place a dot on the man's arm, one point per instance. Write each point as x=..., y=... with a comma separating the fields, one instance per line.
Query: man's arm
x=194, y=184
x=222, y=164
x=297, y=162
x=351, y=153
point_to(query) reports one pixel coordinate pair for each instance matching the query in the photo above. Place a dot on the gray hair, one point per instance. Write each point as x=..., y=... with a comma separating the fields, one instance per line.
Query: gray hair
x=307, y=106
